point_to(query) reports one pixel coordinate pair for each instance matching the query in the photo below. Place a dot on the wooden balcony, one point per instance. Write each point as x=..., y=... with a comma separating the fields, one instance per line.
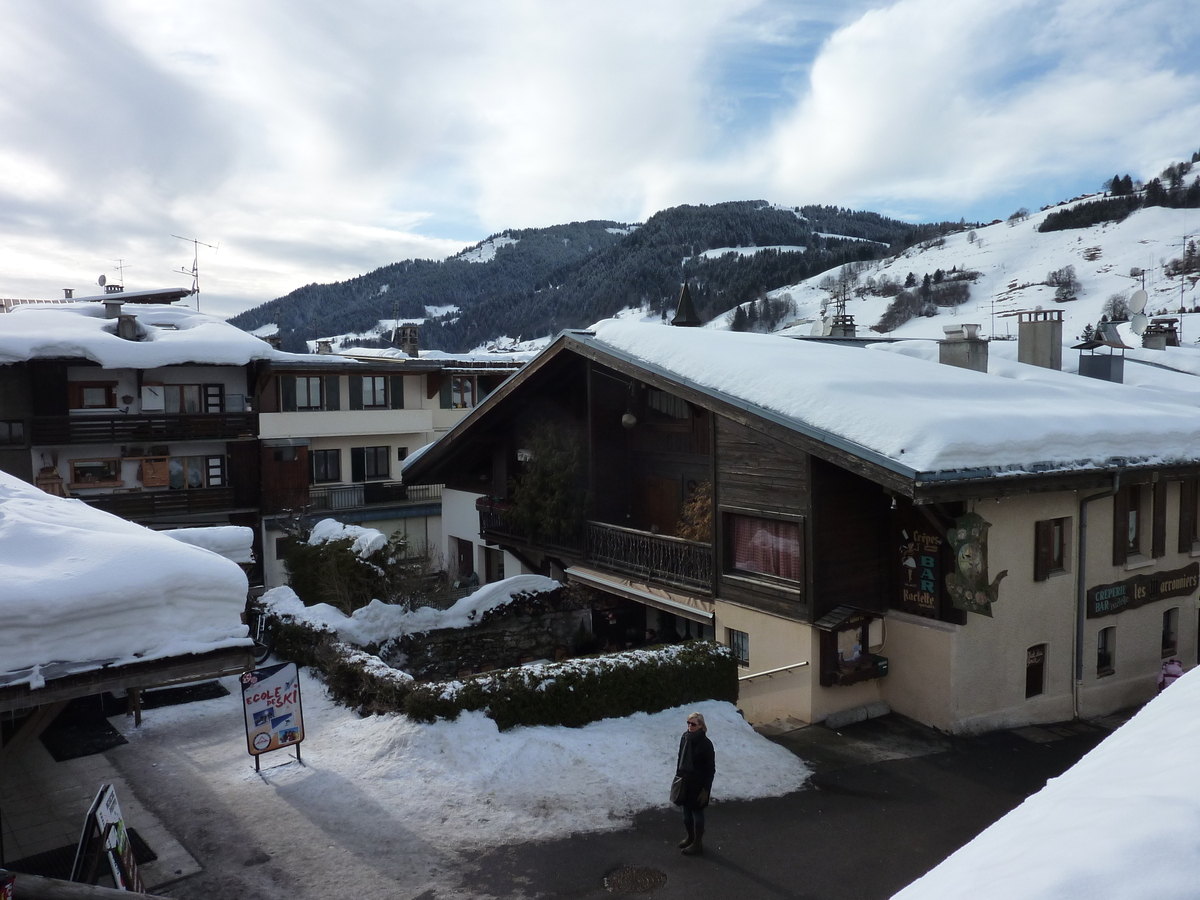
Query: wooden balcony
x=146, y=505
x=91, y=429
x=371, y=493
x=658, y=558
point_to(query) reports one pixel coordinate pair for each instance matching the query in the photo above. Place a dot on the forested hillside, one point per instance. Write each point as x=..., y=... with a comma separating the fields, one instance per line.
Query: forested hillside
x=534, y=282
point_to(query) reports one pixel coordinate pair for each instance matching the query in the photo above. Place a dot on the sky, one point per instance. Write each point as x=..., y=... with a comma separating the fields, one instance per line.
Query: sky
x=310, y=142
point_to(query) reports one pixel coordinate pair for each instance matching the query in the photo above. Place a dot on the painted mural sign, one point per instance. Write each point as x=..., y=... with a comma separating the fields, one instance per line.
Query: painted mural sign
x=968, y=584
x=271, y=703
x=920, y=570
x=1110, y=599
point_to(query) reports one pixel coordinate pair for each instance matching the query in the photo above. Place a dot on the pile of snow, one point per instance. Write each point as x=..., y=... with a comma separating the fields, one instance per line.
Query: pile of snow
x=1120, y=824
x=462, y=784
x=80, y=588
x=167, y=336
x=234, y=542
x=748, y=251
x=366, y=540
x=923, y=418
x=379, y=622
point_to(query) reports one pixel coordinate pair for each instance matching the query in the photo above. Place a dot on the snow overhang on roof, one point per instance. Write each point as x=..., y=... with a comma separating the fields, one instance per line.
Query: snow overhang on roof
x=912, y=423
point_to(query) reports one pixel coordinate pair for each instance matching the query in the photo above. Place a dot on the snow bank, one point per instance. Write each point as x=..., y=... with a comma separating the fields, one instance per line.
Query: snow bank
x=168, y=335
x=465, y=784
x=234, y=542
x=928, y=418
x=378, y=621
x=1120, y=824
x=82, y=587
x=366, y=540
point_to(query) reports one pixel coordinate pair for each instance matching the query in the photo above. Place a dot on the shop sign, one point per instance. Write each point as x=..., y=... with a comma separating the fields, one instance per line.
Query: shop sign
x=968, y=584
x=106, y=838
x=271, y=703
x=1110, y=599
x=920, y=571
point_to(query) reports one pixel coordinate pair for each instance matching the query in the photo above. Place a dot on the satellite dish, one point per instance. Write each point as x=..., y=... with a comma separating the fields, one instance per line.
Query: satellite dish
x=826, y=327
x=1139, y=322
x=1138, y=301
x=101, y=281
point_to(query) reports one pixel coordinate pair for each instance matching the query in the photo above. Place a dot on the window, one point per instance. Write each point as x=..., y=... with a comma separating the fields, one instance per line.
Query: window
x=12, y=432
x=1132, y=509
x=668, y=405
x=1170, y=632
x=95, y=472
x=1133, y=520
x=1106, y=651
x=194, y=472
x=401, y=454
x=181, y=398
x=462, y=392
x=763, y=546
x=1050, y=547
x=493, y=564
x=92, y=395
x=1035, y=670
x=308, y=392
x=1189, y=494
x=374, y=388
x=367, y=463
x=326, y=465
x=739, y=643
x=305, y=393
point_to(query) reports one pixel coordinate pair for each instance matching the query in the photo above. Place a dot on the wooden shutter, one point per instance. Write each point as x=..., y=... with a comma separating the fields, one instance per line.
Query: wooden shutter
x=358, y=461
x=1120, y=534
x=1187, y=514
x=333, y=392
x=396, y=389
x=1158, y=539
x=74, y=395
x=356, y=392
x=445, y=394
x=1043, y=549
x=287, y=392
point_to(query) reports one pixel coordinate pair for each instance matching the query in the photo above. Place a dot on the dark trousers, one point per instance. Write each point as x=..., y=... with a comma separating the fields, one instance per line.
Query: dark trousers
x=693, y=817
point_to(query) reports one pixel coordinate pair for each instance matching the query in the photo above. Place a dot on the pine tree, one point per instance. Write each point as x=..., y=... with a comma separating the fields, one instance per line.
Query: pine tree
x=739, y=320
x=910, y=281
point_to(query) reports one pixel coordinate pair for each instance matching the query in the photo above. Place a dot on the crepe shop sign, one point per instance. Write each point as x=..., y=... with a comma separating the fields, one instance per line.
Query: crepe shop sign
x=271, y=703
x=1110, y=599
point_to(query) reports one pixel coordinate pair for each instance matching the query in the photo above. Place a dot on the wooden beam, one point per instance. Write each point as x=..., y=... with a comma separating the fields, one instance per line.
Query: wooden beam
x=32, y=728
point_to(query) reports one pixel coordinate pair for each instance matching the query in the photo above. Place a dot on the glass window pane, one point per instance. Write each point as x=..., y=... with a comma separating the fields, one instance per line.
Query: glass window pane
x=95, y=396
x=195, y=471
x=172, y=398
x=191, y=398
x=766, y=546
x=176, y=477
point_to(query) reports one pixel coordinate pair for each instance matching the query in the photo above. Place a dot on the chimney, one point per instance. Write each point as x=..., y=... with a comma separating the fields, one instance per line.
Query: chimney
x=68, y=293
x=408, y=340
x=685, y=312
x=963, y=348
x=325, y=347
x=1105, y=366
x=843, y=326
x=113, y=288
x=112, y=308
x=127, y=327
x=1039, y=338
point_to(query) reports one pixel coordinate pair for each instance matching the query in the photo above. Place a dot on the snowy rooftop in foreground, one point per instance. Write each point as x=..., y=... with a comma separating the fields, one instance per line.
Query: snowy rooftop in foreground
x=169, y=335
x=1119, y=825
x=80, y=589
x=921, y=416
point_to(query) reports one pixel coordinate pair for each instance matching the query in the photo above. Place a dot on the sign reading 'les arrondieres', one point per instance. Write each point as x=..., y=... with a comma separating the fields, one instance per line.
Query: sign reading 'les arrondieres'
x=1109, y=599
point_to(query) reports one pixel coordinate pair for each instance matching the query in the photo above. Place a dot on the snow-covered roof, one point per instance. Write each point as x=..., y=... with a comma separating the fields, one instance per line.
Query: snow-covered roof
x=915, y=416
x=1119, y=824
x=81, y=589
x=168, y=335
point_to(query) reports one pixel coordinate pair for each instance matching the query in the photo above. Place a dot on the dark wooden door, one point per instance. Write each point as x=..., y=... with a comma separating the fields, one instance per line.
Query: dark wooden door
x=656, y=503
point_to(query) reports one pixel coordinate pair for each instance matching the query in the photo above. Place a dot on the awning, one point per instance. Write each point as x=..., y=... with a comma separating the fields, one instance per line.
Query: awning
x=842, y=618
x=694, y=608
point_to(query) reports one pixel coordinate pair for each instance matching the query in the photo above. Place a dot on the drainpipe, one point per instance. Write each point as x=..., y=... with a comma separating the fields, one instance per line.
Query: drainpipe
x=1081, y=585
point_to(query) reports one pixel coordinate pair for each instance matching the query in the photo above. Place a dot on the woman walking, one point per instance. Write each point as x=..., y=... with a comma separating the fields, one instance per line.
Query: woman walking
x=694, y=773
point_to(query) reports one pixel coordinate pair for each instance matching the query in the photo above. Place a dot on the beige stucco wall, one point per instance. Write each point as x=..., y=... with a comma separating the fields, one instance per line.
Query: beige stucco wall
x=919, y=653
x=774, y=642
x=338, y=422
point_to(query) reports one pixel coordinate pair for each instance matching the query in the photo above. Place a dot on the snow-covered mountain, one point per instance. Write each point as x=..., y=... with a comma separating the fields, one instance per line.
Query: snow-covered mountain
x=1014, y=262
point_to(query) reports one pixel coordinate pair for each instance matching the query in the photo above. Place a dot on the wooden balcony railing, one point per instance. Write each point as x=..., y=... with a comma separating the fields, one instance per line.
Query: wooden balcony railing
x=90, y=429
x=139, y=505
x=659, y=558
x=371, y=493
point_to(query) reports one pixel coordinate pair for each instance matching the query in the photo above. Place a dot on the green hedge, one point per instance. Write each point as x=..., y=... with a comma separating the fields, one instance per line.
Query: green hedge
x=571, y=693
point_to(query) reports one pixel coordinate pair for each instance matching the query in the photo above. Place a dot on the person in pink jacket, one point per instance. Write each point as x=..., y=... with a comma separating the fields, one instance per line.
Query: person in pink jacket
x=1171, y=670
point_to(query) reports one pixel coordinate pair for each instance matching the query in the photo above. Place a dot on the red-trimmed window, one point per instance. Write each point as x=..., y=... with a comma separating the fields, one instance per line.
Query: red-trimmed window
x=759, y=546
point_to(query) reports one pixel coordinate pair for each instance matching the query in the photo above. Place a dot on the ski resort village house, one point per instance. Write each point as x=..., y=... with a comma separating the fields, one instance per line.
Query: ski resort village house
x=975, y=550
x=336, y=427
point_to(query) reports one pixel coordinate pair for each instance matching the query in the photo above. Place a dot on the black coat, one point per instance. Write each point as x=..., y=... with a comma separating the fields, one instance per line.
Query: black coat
x=696, y=766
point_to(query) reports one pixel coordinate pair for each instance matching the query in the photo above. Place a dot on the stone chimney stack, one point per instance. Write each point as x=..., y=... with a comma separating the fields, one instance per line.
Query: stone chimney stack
x=325, y=347
x=963, y=348
x=409, y=343
x=1039, y=338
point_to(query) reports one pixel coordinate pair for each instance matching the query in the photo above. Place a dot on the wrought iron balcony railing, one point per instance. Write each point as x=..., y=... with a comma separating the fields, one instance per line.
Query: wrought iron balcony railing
x=91, y=429
x=371, y=493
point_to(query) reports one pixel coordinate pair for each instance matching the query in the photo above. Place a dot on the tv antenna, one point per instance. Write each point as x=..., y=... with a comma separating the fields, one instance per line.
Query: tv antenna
x=120, y=268
x=195, y=270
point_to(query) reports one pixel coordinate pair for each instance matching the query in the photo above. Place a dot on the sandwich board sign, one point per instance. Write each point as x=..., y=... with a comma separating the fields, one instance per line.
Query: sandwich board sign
x=271, y=704
x=105, y=839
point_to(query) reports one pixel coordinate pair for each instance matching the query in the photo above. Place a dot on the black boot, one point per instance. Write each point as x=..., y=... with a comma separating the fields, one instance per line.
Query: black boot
x=687, y=841
x=696, y=847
